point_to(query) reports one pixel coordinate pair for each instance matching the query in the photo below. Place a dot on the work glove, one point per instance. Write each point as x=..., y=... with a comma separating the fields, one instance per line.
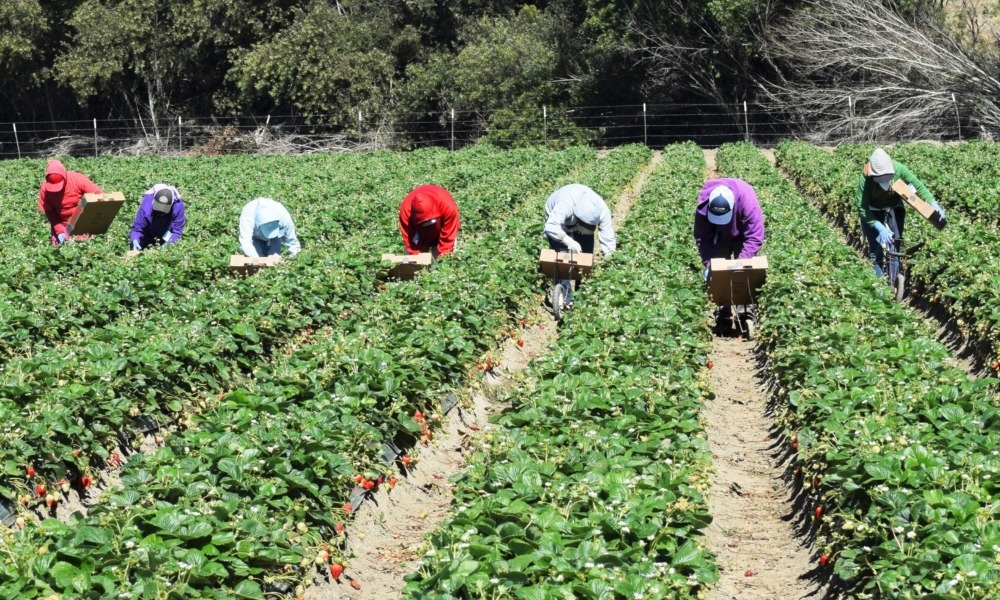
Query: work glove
x=937, y=207
x=572, y=245
x=884, y=235
x=135, y=245
x=167, y=237
x=62, y=237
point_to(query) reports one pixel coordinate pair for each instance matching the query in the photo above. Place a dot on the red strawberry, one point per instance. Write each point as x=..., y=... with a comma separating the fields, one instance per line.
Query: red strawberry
x=368, y=484
x=824, y=560
x=359, y=479
x=336, y=570
x=50, y=500
x=347, y=507
x=795, y=445
x=355, y=584
x=40, y=489
x=474, y=427
x=418, y=416
x=996, y=365
x=85, y=481
x=406, y=460
x=76, y=453
x=392, y=482
x=340, y=528
x=30, y=471
x=520, y=343
x=819, y=512
x=748, y=573
x=711, y=364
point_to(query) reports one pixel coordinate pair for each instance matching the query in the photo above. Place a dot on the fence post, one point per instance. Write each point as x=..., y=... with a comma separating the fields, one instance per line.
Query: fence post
x=180, y=135
x=17, y=141
x=746, y=122
x=645, y=131
x=545, y=124
x=95, y=138
x=453, y=129
x=360, y=135
x=850, y=114
x=958, y=119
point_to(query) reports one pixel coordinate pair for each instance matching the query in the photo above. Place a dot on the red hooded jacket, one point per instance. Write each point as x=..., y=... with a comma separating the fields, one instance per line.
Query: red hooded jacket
x=423, y=203
x=58, y=199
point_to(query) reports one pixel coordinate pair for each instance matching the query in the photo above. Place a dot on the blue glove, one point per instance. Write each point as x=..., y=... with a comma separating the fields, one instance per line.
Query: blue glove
x=135, y=245
x=62, y=237
x=938, y=208
x=884, y=235
x=704, y=274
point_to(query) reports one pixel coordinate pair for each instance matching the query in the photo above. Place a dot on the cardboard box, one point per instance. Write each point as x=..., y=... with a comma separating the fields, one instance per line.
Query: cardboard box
x=565, y=265
x=95, y=213
x=736, y=281
x=244, y=265
x=917, y=203
x=407, y=265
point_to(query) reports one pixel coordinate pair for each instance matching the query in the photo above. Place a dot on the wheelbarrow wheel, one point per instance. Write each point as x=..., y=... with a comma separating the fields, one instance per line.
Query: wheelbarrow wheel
x=558, y=301
x=900, y=292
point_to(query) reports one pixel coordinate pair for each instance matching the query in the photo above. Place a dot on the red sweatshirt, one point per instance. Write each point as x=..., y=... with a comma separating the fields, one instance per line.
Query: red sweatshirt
x=427, y=202
x=60, y=195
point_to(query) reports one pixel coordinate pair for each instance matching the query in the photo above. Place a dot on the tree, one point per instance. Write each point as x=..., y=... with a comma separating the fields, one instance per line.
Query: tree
x=859, y=69
x=330, y=61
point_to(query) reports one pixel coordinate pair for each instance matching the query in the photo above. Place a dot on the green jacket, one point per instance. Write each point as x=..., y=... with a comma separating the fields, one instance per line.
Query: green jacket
x=870, y=195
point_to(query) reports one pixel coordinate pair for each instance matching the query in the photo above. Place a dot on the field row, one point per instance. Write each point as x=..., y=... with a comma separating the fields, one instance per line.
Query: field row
x=894, y=448
x=243, y=497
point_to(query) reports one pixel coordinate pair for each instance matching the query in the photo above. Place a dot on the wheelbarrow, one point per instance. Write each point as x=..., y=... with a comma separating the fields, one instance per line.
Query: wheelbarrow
x=733, y=286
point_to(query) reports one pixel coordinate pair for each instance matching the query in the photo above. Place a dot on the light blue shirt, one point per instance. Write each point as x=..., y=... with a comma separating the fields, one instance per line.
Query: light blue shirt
x=264, y=226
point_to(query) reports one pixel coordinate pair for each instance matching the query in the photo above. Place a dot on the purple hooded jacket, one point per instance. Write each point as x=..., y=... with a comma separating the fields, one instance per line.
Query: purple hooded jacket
x=151, y=225
x=744, y=234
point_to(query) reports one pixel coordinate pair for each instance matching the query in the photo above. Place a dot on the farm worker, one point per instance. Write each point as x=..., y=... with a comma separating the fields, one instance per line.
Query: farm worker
x=59, y=197
x=874, y=196
x=160, y=219
x=428, y=221
x=573, y=213
x=264, y=226
x=728, y=222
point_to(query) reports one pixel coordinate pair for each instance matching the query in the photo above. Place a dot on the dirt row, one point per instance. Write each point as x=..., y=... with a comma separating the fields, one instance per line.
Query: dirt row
x=387, y=533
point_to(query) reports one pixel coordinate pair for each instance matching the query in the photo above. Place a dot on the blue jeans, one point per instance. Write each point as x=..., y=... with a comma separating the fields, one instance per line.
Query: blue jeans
x=586, y=241
x=267, y=247
x=875, y=253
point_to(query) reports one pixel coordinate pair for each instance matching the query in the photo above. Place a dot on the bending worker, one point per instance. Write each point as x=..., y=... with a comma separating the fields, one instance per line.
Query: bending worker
x=874, y=196
x=265, y=226
x=160, y=218
x=428, y=221
x=59, y=198
x=728, y=222
x=573, y=213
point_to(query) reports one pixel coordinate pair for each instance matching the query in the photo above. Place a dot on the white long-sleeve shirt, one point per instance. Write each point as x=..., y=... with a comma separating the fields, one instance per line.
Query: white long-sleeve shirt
x=571, y=204
x=260, y=212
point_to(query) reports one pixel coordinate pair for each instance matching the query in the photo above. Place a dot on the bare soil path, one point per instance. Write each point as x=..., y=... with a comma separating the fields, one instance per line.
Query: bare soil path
x=760, y=555
x=387, y=534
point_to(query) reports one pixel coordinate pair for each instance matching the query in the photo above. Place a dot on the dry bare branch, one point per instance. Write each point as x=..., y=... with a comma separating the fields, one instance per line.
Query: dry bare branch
x=855, y=69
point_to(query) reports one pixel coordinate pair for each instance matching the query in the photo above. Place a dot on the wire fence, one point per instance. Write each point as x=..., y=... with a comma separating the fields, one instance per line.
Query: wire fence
x=652, y=124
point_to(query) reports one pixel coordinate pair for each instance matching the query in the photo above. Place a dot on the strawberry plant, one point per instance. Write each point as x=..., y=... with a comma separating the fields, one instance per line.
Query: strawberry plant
x=223, y=498
x=903, y=443
x=593, y=484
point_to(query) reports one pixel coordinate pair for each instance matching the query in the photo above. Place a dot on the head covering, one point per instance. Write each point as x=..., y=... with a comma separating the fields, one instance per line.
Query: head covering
x=720, y=205
x=55, y=177
x=267, y=218
x=880, y=168
x=587, y=210
x=423, y=209
x=163, y=200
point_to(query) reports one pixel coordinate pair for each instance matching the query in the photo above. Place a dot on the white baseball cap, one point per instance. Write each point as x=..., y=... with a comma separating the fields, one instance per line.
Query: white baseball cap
x=720, y=205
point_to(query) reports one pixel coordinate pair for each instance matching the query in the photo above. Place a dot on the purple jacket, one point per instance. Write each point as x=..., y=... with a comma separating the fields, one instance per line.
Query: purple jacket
x=745, y=232
x=151, y=225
